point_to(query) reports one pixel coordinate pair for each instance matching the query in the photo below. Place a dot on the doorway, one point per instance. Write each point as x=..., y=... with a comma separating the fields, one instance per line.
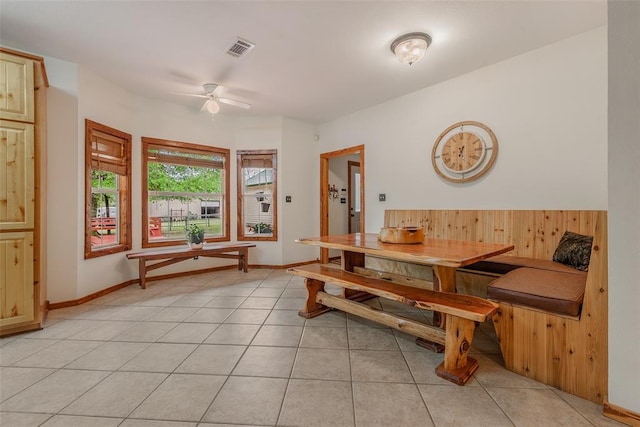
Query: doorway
x=325, y=193
x=353, y=197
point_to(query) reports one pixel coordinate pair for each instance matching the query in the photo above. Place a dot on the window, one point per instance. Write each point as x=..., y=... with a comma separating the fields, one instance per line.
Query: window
x=107, y=190
x=183, y=184
x=257, y=195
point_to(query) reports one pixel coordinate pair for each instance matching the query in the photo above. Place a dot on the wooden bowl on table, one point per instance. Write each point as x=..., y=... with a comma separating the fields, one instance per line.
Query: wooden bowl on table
x=402, y=235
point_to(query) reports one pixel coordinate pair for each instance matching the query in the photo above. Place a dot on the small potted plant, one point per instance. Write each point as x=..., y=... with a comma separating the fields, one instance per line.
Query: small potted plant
x=263, y=228
x=195, y=236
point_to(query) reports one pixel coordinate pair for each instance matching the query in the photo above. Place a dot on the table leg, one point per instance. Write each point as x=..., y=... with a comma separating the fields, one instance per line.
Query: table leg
x=444, y=280
x=350, y=260
x=142, y=272
x=446, y=277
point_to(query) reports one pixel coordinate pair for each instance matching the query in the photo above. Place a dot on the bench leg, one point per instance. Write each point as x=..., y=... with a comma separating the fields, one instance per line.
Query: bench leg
x=142, y=272
x=311, y=307
x=457, y=367
x=243, y=259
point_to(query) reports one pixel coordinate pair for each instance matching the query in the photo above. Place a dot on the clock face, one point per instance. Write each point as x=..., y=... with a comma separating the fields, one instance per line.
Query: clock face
x=464, y=151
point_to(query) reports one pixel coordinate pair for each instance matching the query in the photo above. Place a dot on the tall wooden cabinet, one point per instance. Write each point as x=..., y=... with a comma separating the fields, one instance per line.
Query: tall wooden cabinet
x=23, y=83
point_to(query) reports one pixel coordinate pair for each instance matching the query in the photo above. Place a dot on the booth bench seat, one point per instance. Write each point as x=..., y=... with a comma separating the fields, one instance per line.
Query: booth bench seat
x=552, y=320
x=536, y=283
x=552, y=291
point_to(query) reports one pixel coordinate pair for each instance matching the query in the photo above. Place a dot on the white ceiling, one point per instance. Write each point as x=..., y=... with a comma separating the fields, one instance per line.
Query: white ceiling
x=313, y=61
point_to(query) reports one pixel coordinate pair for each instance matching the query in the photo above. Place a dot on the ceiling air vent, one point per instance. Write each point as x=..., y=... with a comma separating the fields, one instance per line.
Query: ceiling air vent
x=240, y=48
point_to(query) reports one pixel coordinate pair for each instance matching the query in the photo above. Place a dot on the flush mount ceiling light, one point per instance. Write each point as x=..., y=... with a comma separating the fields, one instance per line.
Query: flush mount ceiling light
x=411, y=47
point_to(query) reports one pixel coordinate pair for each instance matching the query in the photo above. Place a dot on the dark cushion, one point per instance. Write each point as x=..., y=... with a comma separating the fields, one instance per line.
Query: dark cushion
x=574, y=250
x=502, y=264
x=553, y=291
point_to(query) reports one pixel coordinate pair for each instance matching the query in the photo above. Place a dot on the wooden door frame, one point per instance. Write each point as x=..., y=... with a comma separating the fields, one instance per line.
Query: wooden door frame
x=324, y=191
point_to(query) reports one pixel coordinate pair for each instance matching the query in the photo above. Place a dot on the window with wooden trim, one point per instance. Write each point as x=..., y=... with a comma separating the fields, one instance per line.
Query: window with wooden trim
x=107, y=190
x=257, y=195
x=183, y=184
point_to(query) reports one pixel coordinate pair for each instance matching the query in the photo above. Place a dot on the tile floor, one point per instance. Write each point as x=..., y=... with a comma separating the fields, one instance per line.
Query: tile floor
x=228, y=348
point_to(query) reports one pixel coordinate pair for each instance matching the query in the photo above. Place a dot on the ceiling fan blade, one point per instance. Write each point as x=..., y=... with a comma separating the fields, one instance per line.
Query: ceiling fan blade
x=234, y=103
x=190, y=94
x=204, y=106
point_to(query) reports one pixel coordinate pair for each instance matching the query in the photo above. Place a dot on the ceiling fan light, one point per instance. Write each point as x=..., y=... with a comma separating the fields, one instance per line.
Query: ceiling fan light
x=212, y=106
x=411, y=47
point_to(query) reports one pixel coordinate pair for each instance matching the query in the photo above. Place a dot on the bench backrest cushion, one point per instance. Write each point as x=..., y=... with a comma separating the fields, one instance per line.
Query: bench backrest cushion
x=574, y=250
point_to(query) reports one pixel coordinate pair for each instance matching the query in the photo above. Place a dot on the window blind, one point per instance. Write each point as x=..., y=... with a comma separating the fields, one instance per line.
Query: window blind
x=108, y=153
x=257, y=161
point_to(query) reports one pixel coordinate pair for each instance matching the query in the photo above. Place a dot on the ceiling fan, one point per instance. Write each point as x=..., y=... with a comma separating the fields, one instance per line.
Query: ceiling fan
x=212, y=96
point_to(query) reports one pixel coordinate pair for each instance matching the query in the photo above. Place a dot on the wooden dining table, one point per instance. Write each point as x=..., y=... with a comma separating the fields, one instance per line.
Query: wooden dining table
x=444, y=256
x=455, y=316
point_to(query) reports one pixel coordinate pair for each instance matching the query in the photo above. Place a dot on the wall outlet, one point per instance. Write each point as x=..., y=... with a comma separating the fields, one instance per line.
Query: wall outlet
x=287, y=199
x=382, y=197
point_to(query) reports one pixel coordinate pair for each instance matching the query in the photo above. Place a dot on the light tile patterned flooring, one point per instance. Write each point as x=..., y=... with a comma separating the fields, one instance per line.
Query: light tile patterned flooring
x=228, y=348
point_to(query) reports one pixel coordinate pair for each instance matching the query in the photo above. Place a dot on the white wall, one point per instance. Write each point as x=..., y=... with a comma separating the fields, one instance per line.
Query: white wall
x=259, y=134
x=547, y=108
x=101, y=101
x=62, y=213
x=77, y=93
x=624, y=204
x=162, y=120
x=301, y=181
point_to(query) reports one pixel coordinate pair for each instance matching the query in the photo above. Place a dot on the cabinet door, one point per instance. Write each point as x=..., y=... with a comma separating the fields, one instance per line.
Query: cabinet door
x=16, y=278
x=16, y=88
x=17, y=190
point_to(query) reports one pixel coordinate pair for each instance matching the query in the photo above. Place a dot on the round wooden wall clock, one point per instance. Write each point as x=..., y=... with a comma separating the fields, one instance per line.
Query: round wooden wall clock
x=464, y=151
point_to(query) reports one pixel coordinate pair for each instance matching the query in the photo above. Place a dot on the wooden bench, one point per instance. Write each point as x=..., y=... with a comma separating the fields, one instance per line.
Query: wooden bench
x=103, y=224
x=155, y=227
x=462, y=312
x=567, y=352
x=239, y=251
x=97, y=224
